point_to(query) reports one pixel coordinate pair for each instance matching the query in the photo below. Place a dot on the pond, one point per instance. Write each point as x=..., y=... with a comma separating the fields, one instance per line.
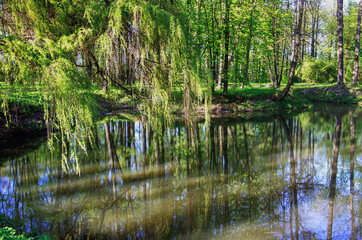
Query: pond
x=295, y=177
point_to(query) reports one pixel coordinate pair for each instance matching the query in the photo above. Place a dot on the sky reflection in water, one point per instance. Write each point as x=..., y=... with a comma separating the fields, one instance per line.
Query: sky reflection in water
x=279, y=179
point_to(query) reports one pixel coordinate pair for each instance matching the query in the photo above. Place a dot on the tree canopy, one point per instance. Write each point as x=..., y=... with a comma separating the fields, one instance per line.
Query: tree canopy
x=159, y=50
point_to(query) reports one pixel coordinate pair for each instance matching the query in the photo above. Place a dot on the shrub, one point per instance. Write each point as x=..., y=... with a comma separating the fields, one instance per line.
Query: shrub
x=317, y=70
x=13, y=230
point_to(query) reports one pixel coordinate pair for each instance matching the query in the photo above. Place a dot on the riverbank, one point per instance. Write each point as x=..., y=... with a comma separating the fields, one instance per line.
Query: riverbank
x=23, y=117
x=300, y=96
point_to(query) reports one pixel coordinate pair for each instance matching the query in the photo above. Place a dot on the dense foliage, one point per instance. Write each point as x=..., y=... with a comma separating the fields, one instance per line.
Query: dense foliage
x=152, y=48
x=318, y=71
x=155, y=51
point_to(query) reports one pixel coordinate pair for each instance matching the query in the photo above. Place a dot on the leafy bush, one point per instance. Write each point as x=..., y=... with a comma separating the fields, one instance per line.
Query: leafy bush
x=7, y=233
x=317, y=70
x=13, y=230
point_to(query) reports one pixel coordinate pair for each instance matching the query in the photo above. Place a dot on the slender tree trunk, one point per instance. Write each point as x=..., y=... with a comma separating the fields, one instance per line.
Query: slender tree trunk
x=248, y=46
x=340, y=40
x=346, y=56
x=356, y=54
x=276, y=48
x=279, y=80
x=303, y=33
x=226, y=57
x=312, y=45
x=236, y=64
x=315, y=25
x=211, y=45
x=219, y=77
x=281, y=69
x=297, y=25
x=214, y=58
x=270, y=70
x=316, y=33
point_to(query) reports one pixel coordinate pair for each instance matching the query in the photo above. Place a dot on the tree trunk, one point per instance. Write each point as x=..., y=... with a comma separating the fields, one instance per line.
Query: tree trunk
x=295, y=47
x=211, y=45
x=219, y=77
x=340, y=40
x=272, y=81
x=279, y=80
x=356, y=54
x=346, y=56
x=275, y=51
x=248, y=47
x=315, y=25
x=226, y=57
x=312, y=45
x=316, y=33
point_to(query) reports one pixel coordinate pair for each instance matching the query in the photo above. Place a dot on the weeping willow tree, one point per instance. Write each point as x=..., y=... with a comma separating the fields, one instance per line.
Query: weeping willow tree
x=66, y=47
x=146, y=47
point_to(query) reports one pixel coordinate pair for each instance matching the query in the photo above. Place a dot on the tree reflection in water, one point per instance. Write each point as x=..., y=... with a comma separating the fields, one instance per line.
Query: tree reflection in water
x=283, y=178
x=332, y=185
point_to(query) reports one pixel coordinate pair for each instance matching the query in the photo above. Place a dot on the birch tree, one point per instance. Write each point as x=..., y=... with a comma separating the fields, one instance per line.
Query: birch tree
x=297, y=26
x=340, y=41
x=357, y=45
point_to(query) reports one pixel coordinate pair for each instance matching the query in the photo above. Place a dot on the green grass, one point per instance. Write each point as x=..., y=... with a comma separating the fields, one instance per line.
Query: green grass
x=247, y=93
x=255, y=97
x=18, y=103
x=25, y=99
x=21, y=95
x=330, y=93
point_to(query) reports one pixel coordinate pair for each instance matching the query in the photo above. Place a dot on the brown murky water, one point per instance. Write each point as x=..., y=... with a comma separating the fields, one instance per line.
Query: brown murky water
x=295, y=178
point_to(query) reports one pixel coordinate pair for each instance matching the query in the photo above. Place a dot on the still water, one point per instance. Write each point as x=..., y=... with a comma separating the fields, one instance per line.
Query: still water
x=294, y=177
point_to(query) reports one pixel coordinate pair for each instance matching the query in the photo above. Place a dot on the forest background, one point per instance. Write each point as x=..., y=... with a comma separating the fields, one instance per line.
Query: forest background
x=63, y=62
x=65, y=54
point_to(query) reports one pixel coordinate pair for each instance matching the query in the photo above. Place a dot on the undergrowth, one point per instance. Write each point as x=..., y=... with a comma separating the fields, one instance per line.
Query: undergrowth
x=14, y=230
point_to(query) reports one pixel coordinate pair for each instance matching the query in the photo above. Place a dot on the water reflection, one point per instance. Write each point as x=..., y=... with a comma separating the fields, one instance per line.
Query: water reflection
x=296, y=178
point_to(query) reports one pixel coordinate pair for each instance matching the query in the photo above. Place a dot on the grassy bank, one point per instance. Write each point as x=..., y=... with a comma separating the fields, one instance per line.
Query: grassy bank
x=22, y=109
x=257, y=98
x=21, y=115
x=20, y=106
